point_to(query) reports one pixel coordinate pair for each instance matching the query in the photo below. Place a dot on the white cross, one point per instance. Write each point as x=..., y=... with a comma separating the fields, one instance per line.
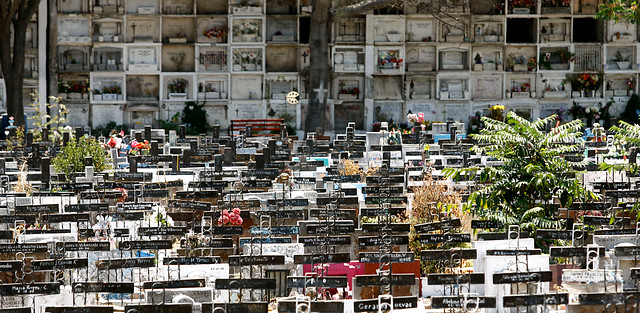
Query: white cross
x=320, y=92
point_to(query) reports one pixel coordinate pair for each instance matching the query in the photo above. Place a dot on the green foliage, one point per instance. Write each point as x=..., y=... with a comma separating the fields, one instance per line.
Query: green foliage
x=628, y=133
x=170, y=124
x=71, y=158
x=533, y=174
x=630, y=114
x=619, y=11
x=109, y=129
x=195, y=117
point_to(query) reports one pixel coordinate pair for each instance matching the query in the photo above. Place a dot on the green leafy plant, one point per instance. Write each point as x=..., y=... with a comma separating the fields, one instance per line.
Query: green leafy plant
x=170, y=124
x=195, y=117
x=632, y=110
x=534, y=173
x=71, y=157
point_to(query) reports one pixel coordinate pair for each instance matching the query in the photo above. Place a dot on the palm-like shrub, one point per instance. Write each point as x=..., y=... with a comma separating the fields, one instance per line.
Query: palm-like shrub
x=626, y=135
x=534, y=173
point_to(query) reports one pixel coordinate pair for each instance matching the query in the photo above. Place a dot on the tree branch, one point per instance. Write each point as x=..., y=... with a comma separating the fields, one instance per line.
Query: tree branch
x=364, y=6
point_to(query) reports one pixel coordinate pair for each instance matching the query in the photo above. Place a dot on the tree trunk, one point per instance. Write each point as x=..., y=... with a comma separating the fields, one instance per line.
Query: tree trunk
x=318, y=64
x=14, y=84
x=16, y=13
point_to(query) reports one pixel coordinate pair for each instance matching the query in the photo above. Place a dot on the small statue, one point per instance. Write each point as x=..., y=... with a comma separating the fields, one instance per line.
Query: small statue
x=478, y=58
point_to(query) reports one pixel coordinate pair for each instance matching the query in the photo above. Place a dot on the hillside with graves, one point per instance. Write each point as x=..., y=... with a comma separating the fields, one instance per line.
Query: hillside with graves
x=526, y=216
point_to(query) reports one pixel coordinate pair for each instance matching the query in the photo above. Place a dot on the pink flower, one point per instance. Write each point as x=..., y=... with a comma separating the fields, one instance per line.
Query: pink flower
x=239, y=221
x=420, y=117
x=225, y=212
x=236, y=211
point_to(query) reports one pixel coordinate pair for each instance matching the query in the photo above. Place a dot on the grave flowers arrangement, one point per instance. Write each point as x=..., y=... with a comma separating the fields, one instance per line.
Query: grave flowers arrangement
x=115, y=89
x=247, y=28
x=631, y=84
x=350, y=91
x=160, y=216
x=588, y=81
x=388, y=59
x=531, y=64
x=522, y=3
x=103, y=227
x=216, y=31
x=496, y=112
x=77, y=87
x=230, y=218
x=177, y=86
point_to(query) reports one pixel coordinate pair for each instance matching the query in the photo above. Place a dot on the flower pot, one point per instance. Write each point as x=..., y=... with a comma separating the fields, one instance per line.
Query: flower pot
x=109, y=97
x=555, y=94
x=212, y=95
x=520, y=94
x=478, y=67
x=62, y=96
x=97, y=97
x=444, y=95
x=489, y=67
x=623, y=65
x=74, y=95
x=521, y=10
x=250, y=67
x=576, y=94
x=345, y=96
x=177, y=40
x=619, y=93
x=177, y=95
x=520, y=67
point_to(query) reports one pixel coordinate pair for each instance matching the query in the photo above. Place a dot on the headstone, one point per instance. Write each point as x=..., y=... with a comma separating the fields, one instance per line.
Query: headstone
x=2, y=166
x=217, y=163
x=29, y=139
x=79, y=132
x=259, y=161
x=272, y=145
x=65, y=138
x=172, y=137
x=216, y=131
x=283, y=131
x=228, y=156
x=45, y=135
x=138, y=136
x=44, y=167
x=133, y=164
x=147, y=132
x=194, y=146
x=249, y=131
x=266, y=152
x=154, y=148
x=186, y=155
x=182, y=131
x=175, y=163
